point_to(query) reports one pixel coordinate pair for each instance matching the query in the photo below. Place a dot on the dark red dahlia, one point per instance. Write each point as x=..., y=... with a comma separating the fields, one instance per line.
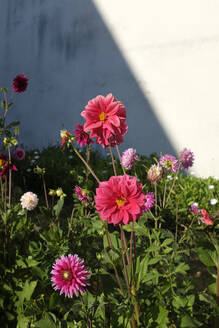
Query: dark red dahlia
x=20, y=83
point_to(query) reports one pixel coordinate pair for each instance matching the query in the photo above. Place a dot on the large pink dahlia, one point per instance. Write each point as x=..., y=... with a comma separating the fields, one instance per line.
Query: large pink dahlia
x=120, y=199
x=69, y=275
x=105, y=119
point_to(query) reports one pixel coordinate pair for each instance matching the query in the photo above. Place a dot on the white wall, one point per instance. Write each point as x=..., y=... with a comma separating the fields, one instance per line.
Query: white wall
x=160, y=58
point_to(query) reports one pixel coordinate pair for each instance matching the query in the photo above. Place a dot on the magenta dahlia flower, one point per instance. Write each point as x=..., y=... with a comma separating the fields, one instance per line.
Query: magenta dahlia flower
x=129, y=157
x=150, y=201
x=195, y=209
x=105, y=119
x=186, y=158
x=69, y=275
x=81, y=194
x=120, y=199
x=19, y=154
x=82, y=137
x=169, y=162
x=155, y=173
x=20, y=83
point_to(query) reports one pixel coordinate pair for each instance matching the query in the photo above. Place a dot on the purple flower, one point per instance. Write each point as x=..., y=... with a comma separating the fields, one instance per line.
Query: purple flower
x=150, y=201
x=186, y=158
x=195, y=209
x=82, y=137
x=81, y=194
x=19, y=154
x=129, y=157
x=69, y=275
x=169, y=162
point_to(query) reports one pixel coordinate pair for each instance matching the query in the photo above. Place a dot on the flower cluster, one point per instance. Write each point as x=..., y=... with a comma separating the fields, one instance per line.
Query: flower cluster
x=129, y=157
x=69, y=275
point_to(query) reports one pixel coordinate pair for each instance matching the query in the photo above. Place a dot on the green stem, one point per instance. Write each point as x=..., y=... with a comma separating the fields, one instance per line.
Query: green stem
x=85, y=163
x=113, y=161
x=10, y=177
x=45, y=193
x=173, y=184
x=120, y=158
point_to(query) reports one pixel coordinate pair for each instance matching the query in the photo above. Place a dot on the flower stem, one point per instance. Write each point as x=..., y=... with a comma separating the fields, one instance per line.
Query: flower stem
x=10, y=180
x=113, y=161
x=85, y=163
x=120, y=158
x=173, y=184
x=45, y=193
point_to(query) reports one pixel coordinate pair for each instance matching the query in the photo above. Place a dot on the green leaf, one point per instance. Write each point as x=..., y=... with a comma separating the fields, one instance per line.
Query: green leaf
x=27, y=291
x=208, y=257
x=187, y=322
x=182, y=268
x=167, y=242
x=58, y=207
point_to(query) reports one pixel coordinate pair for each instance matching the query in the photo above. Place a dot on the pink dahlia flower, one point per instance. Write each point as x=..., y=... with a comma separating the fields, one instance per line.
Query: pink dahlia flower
x=82, y=137
x=129, y=157
x=29, y=200
x=120, y=199
x=155, y=173
x=69, y=275
x=20, y=83
x=81, y=194
x=169, y=162
x=195, y=209
x=19, y=154
x=105, y=119
x=205, y=218
x=186, y=158
x=150, y=201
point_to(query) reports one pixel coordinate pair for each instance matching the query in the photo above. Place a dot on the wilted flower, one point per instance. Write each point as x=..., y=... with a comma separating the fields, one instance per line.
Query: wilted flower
x=29, y=200
x=129, y=157
x=82, y=137
x=69, y=275
x=150, y=201
x=105, y=119
x=81, y=194
x=186, y=158
x=65, y=137
x=19, y=154
x=169, y=162
x=205, y=218
x=155, y=173
x=213, y=201
x=120, y=199
x=20, y=83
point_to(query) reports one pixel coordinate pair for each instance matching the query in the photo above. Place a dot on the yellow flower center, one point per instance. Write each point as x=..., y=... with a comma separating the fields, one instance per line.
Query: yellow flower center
x=65, y=275
x=102, y=116
x=2, y=162
x=120, y=201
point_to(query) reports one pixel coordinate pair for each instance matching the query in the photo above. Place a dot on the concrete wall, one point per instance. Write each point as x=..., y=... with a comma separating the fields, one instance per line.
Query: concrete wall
x=160, y=58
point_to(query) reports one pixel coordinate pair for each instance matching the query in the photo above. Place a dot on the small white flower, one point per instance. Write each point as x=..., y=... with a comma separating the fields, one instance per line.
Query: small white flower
x=211, y=187
x=29, y=200
x=195, y=204
x=36, y=157
x=32, y=161
x=213, y=201
x=169, y=177
x=70, y=157
x=216, y=178
x=36, y=152
x=29, y=170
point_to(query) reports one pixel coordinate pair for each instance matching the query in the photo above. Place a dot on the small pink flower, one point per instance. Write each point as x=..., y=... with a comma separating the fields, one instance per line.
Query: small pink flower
x=120, y=199
x=81, y=194
x=69, y=275
x=82, y=137
x=6, y=167
x=205, y=218
x=150, y=201
x=195, y=209
x=169, y=162
x=105, y=120
x=19, y=154
x=129, y=157
x=20, y=83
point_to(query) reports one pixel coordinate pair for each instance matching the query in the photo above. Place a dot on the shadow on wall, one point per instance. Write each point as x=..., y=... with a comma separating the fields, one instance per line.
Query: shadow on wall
x=69, y=55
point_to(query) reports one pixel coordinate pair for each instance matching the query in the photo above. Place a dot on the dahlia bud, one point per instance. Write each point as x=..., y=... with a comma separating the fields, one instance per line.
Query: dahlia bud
x=65, y=137
x=39, y=171
x=59, y=192
x=52, y=192
x=154, y=173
